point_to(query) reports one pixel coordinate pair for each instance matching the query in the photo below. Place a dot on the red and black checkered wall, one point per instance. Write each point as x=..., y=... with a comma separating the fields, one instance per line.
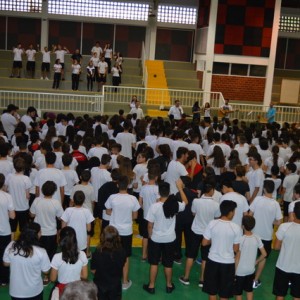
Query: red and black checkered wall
x=244, y=27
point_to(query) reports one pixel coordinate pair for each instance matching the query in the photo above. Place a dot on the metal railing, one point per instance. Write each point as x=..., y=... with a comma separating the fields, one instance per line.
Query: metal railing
x=58, y=102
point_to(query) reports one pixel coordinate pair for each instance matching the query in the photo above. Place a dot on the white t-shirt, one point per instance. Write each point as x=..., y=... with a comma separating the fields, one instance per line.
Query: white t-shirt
x=163, y=228
x=205, y=210
x=149, y=195
x=27, y=120
x=46, y=56
x=57, y=68
x=248, y=248
x=30, y=54
x=9, y=123
x=25, y=273
x=78, y=218
x=242, y=150
x=72, y=179
x=108, y=53
x=76, y=69
x=289, y=259
x=277, y=183
x=46, y=211
x=17, y=185
x=97, y=151
x=174, y=171
x=198, y=149
x=242, y=206
x=264, y=153
x=51, y=174
x=269, y=164
x=122, y=206
x=95, y=61
x=102, y=67
x=6, y=205
x=115, y=72
x=18, y=54
x=89, y=195
x=138, y=111
x=223, y=235
x=68, y=272
x=292, y=205
x=98, y=50
x=289, y=183
x=98, y=178
x=6, y=167
x=176, y=112
x=126, y=139
x=176, y=145
x=165, y=141
x=60, y=54
x=256, y=179
x=265, y=211
x=139, y=170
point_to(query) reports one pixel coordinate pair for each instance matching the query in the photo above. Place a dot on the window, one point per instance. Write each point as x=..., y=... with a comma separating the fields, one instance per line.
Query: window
x=177, y=14
x=259, y=71
x=100, y=9
x=289, y=23
x=34, y=6
x=239, y=69
x=220, y=68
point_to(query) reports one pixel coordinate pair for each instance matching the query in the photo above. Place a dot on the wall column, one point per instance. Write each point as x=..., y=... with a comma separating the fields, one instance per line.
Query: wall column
x=44, y=26
x=150, y=42
x=272, y=57
x=210, y=48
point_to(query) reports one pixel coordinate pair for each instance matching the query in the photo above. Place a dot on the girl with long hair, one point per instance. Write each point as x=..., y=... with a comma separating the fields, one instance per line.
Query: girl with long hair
x=107, y=265
x=70, y=264
x=217, y=160
x=274, y=160
x=27, y=261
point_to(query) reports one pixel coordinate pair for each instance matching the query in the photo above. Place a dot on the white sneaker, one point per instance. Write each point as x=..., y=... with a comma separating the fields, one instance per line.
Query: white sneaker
x=46, y=78
x=42, y=78
x=126, y=286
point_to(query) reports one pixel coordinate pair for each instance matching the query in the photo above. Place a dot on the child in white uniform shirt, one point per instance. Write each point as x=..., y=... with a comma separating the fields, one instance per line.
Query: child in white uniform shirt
x=7, y=213
x=246, y=259
x=292, y=204
x=76, y=70
x=123, y=208
x=161, y=229
x=45, y=68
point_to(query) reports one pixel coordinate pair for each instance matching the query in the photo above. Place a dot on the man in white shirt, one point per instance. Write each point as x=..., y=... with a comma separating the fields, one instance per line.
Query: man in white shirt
x=97, y=49
x=267, y=213
x=175, y=111
x=29, y=117
x=176, y=169
x=102, y=72
x=10, y=120
x=224, y=237
x=137, y=110
x=123, y=208
x=126, y=139
x=225, y=110
x=30, y=66
x=17, y=63
x=241, y=202
x=287, y=273
x=45, y=68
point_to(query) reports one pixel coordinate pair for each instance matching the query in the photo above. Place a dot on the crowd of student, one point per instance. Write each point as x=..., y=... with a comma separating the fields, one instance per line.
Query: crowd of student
x=206, y=180
x=99, y=65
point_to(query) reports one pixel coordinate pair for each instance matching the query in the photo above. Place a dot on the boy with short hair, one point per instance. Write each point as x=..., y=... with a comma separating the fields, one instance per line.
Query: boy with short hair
x=292, y=204
x=246, y=260
x=122, y=209
x=80, y=219
x=224, y=237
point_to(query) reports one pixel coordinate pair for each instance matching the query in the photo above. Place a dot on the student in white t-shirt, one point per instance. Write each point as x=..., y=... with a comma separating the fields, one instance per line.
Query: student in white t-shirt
x=57, y=74
x=97, y=49
x=45, y=210
x=98, y=150
x=17, y=63
x=116, y=75
x=60, y=53
x=195, y=146
x=30, y=66
x=267, y=213
x=292, y=204
x=76, y=71
x=224, y=237
x=70, y=264
x=18, y=186
x=246, y=259
x=6, y=166
x=126, y=139
x=205, y=209
x=71, y=178
x=122, y=209
x=287, y=273
x=288, y=185
x=139, y=170
x=7, y=213
x=241, y=202
x=161, y=229
x=80, y=219
x=45, y=68
x=27, y=260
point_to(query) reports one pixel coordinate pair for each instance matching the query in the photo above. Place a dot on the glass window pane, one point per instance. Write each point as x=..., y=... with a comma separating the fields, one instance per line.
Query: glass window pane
x=239, y=69
x=220, y=68
x=259, y=71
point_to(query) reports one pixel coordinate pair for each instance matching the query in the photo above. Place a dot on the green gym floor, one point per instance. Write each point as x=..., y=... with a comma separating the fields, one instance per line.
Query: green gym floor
x=139, y=276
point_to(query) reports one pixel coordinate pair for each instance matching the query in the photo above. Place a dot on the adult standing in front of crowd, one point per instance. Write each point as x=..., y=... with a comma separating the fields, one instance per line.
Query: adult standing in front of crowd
x=175, y=111
x=97, y=49
x=108, y=52
x=10, y=120
x=271, y=113
x=45, y=68
x=17, y=63
x=60, y=54
x=30, y=66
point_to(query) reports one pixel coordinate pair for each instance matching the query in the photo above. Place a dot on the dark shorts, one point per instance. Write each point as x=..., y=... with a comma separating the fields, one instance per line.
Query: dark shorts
x=281, y=283
x=45, y=67
x=219, y=279
x=17, y=64
x=286, y=208
x=144, y=228
x=22, y=218
x=192, y=248
x=243, y=283
x=101, y=78
x=49, y=243
x=163, y=251
x=126, y=241
x=267, y=246
x=38, y=297
x=30, y=65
